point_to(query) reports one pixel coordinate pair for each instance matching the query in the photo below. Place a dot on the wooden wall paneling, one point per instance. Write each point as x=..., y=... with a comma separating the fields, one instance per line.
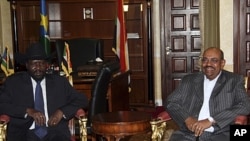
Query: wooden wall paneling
x=28, y=21
x=72, y=19
x=136, y=22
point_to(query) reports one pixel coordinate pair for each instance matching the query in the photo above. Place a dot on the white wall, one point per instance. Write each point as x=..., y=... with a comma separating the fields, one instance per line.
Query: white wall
x=157, y=52
x=226, y=31
x=5, y=27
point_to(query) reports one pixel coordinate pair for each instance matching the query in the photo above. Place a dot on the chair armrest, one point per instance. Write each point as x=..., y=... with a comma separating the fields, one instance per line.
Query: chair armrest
x=4, y=118
x=158, y=127
x=164, y=116
x=241, y=120
x=82, y=119
x=80, y=113
x=158, y=124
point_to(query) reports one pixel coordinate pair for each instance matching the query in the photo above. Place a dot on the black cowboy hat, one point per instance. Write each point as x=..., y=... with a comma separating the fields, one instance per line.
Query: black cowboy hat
x=35, y=51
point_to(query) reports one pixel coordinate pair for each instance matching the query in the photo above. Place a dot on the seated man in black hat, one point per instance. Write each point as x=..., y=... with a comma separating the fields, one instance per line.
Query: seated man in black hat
x=39, y=104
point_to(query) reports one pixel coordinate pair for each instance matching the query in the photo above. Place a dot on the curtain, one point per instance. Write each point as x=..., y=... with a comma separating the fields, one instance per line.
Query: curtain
x=209, y=24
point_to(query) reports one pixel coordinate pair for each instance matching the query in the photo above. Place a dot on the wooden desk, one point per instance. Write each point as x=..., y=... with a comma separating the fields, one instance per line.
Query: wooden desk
x=117, y=125
x=117, y=95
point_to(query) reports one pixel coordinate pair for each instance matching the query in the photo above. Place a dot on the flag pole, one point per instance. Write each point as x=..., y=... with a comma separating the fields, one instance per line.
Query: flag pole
x=150, y=56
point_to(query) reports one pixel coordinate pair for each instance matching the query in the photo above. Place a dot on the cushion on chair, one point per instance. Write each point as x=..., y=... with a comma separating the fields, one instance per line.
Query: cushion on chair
x=80, y=113
x=161, y=113
x=4, y=118
x=164, y=116
x=241, y=120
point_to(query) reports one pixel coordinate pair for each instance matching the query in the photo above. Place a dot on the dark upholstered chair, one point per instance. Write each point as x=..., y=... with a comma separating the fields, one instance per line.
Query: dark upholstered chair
x=82, y=50
x=98, y=101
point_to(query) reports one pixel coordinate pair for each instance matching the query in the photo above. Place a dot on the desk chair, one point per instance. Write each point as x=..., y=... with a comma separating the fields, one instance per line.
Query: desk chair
x=82, y=50
x=98, y=101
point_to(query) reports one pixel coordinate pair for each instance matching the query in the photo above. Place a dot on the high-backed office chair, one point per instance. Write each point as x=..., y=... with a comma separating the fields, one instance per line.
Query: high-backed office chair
x=98, y=101
x=82, y=50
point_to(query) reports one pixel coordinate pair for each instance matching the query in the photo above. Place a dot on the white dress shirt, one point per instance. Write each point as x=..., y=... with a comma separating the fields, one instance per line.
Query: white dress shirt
x=205, y=111
x=43, y=84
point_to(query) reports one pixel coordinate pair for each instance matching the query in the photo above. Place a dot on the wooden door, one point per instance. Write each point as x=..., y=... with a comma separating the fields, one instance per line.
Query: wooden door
x=242, y=37
x=180, y=42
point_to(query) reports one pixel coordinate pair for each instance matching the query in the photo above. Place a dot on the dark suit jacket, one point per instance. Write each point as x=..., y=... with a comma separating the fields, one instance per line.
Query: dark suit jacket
x=228, y=99
x=17, y=95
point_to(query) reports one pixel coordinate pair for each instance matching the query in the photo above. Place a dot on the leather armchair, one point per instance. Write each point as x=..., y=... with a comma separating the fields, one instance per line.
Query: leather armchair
x=98, y=101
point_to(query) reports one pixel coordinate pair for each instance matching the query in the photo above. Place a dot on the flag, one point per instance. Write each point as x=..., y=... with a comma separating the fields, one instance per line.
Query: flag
x=121, y=47
x=6, y=64
x=66, y=63
x=44, y=36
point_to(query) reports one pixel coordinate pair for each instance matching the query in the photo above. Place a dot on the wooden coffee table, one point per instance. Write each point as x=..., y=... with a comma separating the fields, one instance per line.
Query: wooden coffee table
x=117, y=125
